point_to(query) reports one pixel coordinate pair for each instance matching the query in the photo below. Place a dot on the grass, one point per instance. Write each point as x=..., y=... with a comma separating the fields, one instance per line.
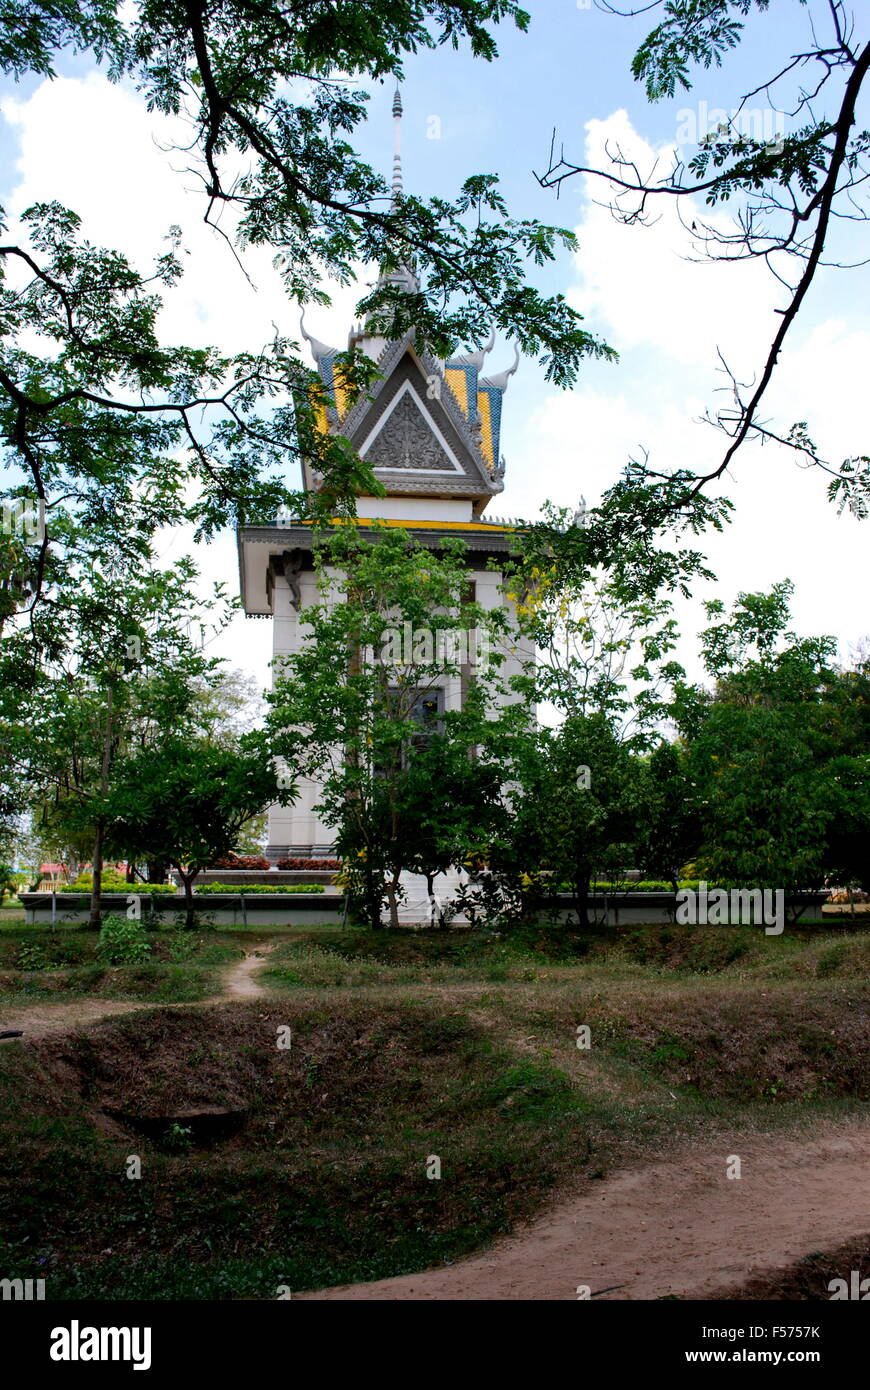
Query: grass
x=404, y=1047
x=327, y=1181
x=40, y=964
x=357, y=958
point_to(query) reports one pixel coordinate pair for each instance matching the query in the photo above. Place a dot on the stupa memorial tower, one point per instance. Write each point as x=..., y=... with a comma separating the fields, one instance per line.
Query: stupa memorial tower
x=430, y=431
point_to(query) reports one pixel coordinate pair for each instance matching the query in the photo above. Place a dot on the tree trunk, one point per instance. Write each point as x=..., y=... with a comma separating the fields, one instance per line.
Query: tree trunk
x=430, y=891
x=373, y=899
x=393, y=900
x=157, y=870
x=96, y=916
x=581, y=901
x=187, y=881
x=95, y=920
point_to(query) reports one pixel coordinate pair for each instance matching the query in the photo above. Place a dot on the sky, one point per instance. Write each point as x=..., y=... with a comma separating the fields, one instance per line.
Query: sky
x=93, y=146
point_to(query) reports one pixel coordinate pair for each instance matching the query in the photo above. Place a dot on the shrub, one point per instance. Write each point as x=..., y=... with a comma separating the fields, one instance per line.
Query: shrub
x=260, y=888
x=178, y=1138
x=302, y=864
x=84, y=881
x=31, y=958
x=113, y=883
x=182, y=946
x=123, y=942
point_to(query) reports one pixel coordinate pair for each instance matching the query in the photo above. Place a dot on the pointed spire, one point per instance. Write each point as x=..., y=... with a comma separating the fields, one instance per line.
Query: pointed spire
x=397, y=145
x=404, y=275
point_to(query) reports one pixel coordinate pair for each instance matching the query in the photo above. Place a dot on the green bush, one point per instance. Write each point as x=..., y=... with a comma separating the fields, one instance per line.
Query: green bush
x=84, y=881
x=143, y=889
x=182, y=946
x=31, y=958
x=177, y=1138
x=84, y=884
x=123, y=942
x=261, y=888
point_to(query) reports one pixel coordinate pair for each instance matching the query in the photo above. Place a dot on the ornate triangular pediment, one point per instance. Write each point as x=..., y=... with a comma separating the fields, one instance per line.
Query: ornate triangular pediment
x=413, y=434
x=407, y=438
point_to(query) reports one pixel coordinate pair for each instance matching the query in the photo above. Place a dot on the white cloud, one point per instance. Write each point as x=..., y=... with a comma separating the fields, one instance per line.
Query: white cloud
x=92, y=145
x=668, y=316
x=645, y=282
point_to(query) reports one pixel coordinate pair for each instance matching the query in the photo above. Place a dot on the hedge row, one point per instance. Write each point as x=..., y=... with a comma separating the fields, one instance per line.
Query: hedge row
x=260, y=888
x=117, y=886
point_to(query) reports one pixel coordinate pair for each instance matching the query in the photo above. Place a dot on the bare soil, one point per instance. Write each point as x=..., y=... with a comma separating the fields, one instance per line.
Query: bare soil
x=240, y=983
x=677, y=1229
x=46, y=1016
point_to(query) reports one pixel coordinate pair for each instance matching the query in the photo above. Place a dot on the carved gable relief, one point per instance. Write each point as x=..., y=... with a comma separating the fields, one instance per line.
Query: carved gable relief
x=407, y=438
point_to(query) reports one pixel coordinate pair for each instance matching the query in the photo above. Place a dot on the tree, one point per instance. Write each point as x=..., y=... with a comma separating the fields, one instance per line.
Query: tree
x=790, y=180
x=594, y=591
x=778, y=752
x=578, y=812
x=227, y=704
x=8, y=883
x=186, y=800
x=670, y=834
x=101, y=670
x=360, y=702
x=270, y=83
x=449, y=805
x=100, y=418
x=605, y=635
x=107, y=423
x=604, y=631
x=254, y=834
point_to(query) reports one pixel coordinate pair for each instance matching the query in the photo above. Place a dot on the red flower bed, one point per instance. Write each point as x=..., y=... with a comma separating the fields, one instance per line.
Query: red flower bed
x=309, y=864
x=241, y=861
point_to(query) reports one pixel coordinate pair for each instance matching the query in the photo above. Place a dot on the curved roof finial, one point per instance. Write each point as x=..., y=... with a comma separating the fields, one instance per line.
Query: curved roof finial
x=475, y=359
x=500, y=381
x=318, y=349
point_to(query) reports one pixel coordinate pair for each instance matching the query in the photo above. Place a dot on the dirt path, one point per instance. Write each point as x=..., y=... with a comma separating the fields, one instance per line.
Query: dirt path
x=47, y=1016
x=678, y=1227
x=240, y=982
x=37, y=1019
